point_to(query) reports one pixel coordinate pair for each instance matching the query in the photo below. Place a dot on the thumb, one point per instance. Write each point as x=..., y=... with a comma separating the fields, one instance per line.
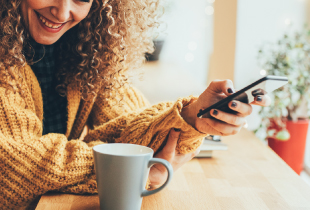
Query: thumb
x=172, y=141
x=222, y=86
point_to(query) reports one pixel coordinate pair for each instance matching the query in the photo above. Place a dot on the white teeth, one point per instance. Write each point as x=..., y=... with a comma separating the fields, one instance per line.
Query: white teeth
x=48, y=24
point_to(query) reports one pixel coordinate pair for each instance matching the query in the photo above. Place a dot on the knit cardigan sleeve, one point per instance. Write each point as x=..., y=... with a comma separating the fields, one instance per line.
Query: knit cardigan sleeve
x=132, y=120
x=32, y=164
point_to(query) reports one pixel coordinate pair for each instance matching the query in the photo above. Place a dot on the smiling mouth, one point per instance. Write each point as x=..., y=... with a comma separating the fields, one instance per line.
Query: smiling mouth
x=48, y=23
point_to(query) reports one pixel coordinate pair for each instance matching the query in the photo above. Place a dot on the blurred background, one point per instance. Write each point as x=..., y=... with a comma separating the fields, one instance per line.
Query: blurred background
x=203, y=40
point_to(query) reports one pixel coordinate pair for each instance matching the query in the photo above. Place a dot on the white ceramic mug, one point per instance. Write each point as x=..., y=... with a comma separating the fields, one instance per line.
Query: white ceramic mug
x=121, y=172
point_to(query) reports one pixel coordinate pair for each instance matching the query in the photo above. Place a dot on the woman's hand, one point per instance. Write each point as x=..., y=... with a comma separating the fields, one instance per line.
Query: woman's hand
x=158, y=173
x=224, y=123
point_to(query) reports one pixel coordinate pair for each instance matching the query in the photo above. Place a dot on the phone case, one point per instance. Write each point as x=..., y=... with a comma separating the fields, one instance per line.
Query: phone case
x=247, y=94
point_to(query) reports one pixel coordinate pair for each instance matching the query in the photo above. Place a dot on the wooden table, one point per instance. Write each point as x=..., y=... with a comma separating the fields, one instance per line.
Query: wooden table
x=248, y=175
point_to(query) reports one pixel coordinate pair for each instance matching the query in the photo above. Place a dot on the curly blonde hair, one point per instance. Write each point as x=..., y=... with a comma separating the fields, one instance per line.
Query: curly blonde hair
x=113, y=37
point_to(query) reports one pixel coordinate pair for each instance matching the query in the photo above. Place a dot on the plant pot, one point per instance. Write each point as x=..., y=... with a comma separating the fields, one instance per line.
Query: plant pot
x=158, y=45
x=292, y=151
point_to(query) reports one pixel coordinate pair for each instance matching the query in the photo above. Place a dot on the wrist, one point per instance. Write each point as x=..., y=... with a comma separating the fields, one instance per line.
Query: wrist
x=189, y=113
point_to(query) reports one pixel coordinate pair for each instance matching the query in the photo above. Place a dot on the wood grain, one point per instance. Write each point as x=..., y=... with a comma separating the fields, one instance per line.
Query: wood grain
x=249, y=175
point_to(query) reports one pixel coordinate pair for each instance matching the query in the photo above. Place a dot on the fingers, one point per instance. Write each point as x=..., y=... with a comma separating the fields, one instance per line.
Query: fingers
x=192, y=155
x=231, y=119
x=225, y=123
x=262, y=100
x=222, y=86
x=242, y=108
x=172, y=141
x=216, y=127
x=196, y=152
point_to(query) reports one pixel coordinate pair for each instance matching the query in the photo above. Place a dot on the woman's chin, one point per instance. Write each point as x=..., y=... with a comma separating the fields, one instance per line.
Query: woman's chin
x=44, y=41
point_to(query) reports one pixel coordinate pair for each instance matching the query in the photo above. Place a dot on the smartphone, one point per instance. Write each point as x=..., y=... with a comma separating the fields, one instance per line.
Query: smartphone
x=246, y=95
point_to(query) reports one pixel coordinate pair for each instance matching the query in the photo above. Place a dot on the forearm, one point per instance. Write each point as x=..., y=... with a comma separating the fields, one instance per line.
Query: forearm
x=32, y=164
x=48, y=163
x=189, y=113
x=149, y=127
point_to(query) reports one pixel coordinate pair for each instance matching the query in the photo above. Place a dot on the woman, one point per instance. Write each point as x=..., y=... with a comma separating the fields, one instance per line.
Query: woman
x=84, y=48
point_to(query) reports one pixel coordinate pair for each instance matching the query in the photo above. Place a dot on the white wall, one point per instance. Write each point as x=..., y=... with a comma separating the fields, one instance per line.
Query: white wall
x=188, y=41
x=183, y=65
x=260, y=21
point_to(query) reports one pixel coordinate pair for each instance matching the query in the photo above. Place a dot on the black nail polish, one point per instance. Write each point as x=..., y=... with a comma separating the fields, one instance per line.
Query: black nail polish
x=215, y=112
x=259, y=98
x=177, y=129
x=234, y=104
x=258, y=92
x=254, y=92
x=229, y=90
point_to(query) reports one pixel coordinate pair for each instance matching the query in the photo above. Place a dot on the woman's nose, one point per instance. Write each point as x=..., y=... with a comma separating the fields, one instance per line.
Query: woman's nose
x=62, y=10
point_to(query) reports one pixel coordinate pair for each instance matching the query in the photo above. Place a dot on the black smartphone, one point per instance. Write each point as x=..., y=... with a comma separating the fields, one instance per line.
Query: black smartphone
x=246, y=95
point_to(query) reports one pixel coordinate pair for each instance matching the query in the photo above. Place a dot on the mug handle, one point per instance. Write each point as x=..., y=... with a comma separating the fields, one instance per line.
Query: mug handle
x=170, y=172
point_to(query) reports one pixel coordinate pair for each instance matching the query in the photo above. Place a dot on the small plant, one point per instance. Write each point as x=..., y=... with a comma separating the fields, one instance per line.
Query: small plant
x=289, y=57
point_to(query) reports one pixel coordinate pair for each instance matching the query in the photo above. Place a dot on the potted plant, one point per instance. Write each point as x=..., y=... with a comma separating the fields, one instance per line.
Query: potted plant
x=286, y=121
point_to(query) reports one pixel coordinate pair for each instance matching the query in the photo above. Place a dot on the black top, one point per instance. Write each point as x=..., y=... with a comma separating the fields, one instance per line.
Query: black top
x=54, y=105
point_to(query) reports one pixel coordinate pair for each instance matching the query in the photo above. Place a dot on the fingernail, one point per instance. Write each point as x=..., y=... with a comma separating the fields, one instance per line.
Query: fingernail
x=259, y=98
x=255, y=91
x=234, y=104
x=229, y=90
x=177, y=129
x=215, y=112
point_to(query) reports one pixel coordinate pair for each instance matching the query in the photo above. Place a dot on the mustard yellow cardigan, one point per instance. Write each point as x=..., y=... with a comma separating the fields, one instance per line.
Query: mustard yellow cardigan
x=32, y=164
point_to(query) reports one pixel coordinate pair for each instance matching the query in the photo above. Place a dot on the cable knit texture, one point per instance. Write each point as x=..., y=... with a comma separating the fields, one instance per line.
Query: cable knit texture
x=32, y=164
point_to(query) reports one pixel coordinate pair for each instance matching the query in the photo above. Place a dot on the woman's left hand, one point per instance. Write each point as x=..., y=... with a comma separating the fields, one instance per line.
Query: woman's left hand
x=221, y=123
x=158, y=173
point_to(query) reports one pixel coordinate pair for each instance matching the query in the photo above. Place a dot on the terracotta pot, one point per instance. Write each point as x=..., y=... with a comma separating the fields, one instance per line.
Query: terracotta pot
x=292, y=151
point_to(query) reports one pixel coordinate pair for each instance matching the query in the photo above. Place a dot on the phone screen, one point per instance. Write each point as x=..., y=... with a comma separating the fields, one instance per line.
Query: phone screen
x=246, y=95
x=263, y=88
